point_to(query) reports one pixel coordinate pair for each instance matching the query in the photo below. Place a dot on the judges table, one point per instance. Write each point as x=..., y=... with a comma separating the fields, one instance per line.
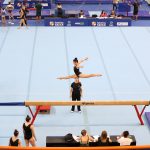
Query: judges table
x=59, y=141
x=99, y=22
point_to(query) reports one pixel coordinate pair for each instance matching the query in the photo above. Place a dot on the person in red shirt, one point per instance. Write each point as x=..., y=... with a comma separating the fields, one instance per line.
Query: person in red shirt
x=103, y=14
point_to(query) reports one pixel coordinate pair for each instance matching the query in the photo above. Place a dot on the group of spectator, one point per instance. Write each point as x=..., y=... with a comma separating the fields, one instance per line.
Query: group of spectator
x=111, y=15
x=103, y=140
x=60, y=12
x=103, y=14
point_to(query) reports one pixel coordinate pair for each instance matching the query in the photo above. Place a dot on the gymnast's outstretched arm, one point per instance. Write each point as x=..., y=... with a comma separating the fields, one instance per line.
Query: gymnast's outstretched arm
x=82, y=60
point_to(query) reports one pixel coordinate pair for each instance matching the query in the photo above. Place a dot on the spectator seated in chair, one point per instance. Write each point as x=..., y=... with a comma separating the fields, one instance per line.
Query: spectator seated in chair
x=85, y=138
x=124, y=139
x=103, y=14
x=81, y=14
x=112, y=14
x=104, y=140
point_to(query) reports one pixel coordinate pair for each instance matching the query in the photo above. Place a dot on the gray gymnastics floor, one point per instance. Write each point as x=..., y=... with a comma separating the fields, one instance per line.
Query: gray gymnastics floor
x=31, y=59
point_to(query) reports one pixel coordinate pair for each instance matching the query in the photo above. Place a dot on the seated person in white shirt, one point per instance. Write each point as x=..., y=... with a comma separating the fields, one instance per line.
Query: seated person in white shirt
x=81, y=14
x=124, y=139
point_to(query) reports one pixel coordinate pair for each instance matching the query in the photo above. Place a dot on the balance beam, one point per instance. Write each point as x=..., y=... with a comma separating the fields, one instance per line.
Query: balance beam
x=89, y=103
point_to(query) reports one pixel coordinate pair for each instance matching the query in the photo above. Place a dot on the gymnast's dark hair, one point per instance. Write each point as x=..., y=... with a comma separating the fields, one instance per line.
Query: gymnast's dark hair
x=28, y=118
x=83, y=132
x=16, y=132
x=76, y=59
x=126, y=134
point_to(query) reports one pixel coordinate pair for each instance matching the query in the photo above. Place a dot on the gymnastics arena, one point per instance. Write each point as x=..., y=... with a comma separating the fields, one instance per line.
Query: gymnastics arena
x=44, y=65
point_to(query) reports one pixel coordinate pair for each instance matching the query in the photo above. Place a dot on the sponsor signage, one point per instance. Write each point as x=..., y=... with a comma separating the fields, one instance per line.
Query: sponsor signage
x=79, y=23
x=59, y=22
x=122, y=24
x=101, y=24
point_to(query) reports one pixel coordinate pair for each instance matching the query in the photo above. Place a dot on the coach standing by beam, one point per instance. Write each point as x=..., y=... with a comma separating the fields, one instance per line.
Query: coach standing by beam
x=76, y=93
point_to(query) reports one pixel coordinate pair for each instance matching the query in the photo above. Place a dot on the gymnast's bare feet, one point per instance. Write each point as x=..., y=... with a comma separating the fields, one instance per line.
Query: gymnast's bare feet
x=60, y=78
x=98, y=75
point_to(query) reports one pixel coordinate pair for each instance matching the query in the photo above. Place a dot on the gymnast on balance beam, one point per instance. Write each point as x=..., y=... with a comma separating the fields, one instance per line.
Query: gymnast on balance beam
x=77, y=72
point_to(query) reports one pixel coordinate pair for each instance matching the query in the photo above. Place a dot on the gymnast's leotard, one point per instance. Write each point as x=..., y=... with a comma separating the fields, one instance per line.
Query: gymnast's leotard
x=27, y=131
x=23, y=16
x=13, y=143
x=77, y=71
